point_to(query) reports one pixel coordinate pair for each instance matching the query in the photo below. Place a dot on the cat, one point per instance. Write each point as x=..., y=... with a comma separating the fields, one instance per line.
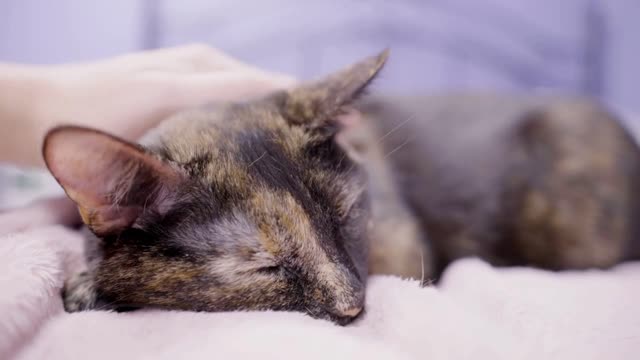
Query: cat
x=275, y=203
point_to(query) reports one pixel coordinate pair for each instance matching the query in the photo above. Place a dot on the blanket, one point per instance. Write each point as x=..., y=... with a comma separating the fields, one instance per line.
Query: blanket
x=475, y=312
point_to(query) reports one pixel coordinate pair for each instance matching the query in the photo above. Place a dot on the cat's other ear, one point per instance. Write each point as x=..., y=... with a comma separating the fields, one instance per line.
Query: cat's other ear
x=111, y=180
x=316, y=103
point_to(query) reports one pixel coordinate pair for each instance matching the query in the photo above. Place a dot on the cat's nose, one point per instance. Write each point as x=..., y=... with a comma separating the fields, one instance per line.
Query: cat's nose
x=346, y=316
x=350, y=307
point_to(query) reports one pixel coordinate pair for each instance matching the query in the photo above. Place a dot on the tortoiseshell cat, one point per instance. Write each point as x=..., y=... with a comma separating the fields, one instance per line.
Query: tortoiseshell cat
x=271, y=204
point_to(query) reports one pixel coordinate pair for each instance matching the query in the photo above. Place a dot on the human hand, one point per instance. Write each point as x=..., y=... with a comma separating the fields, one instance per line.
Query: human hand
x=125, y=95
x=129, y=94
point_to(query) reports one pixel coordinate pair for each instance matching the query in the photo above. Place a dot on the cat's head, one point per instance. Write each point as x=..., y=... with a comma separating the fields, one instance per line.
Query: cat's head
x=245, y=207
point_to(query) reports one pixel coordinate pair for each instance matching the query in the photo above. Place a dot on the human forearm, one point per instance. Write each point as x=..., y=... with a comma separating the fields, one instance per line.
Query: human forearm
x=22, y=91
x=124, y=95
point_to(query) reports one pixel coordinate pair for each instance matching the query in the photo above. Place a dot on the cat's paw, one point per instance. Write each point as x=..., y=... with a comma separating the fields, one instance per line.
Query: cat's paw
x=79, y=293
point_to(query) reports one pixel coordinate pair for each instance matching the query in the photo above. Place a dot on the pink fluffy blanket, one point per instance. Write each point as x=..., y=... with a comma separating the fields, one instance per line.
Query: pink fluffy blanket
x=477, y=312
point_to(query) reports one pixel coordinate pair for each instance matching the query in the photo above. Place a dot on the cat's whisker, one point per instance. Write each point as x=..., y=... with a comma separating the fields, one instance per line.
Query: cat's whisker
x=105, y=305
x=186, y=219
x=397, y=148
x=258, y=159
x=146, y=200
x=395, y=128
x=309, y=311
x=341, y=160
x=422, y=267
x=275, y=161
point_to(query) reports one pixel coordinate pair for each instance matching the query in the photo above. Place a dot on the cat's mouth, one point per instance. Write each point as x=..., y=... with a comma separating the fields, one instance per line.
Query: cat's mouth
x=345, y=320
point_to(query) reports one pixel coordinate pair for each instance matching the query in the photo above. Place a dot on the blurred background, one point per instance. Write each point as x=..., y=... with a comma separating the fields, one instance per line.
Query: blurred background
x=568, y=46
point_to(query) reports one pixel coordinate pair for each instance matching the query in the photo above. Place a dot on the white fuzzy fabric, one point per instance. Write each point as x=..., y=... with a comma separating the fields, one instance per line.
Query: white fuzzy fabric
x=477, y=312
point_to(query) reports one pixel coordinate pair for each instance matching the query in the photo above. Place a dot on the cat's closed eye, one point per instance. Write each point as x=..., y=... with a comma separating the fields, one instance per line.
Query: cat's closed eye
x=271, y=270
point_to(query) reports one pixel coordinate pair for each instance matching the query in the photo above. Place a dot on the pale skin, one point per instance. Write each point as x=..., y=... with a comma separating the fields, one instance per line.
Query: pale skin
x=124, y=95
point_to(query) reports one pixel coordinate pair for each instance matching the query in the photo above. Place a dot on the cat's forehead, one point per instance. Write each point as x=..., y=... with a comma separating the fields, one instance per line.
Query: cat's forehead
x=242, y=146
x=249, y=159
x=222, y=132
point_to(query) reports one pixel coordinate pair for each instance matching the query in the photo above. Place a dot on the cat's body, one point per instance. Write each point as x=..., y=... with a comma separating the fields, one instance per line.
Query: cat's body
x=265, y=205
x=547, y=181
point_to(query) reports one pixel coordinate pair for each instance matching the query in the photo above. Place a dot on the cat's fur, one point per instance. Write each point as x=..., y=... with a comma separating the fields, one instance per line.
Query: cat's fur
x=517, y=180
x=266, y=204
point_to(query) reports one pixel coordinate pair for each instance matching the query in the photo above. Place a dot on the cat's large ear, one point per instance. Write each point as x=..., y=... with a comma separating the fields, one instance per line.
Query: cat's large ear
x=111, y=180
x=316, y=103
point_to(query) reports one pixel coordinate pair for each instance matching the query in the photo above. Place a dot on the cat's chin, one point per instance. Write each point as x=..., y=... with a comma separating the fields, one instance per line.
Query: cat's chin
x=336, y=319
x=343, y=320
